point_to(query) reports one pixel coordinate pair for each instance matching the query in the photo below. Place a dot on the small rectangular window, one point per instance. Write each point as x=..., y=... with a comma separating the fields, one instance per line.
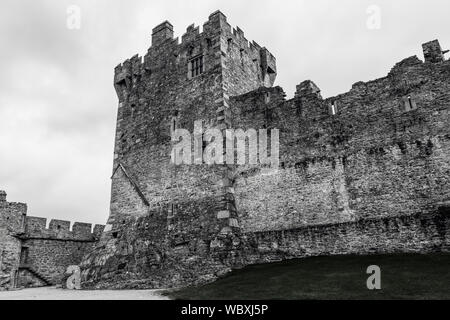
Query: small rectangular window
x=410, y=103
x=196, y=66
x=267, y=97
x=173, y=125
x=333, y=108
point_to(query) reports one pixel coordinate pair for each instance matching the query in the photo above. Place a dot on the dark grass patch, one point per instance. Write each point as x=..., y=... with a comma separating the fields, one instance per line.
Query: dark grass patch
x=339, y=277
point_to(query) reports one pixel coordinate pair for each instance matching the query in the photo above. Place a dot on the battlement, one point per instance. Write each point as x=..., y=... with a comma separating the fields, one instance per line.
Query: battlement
x=2, y=196
x=12, y=214
x=408, y=107
x=35, y=228
x=215, y=26
x=433, y=52
x=162, y=32
x=400, y=74
x=213, y=42
x=16, y=207
x=307, y=88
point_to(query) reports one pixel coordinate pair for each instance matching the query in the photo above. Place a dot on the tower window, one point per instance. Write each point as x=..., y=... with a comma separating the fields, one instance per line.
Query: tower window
x=196, y=67
x=173, y=125
x=172, y=210
x=333, y=108
x=410, y=103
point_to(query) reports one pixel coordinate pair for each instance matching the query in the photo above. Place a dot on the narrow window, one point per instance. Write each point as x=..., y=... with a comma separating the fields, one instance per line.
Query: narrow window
x=410, y=103
x=196, y=66
x=333, y=108
x=173, y=125
x=201, y=65
x=241, y=52
x=267, y=97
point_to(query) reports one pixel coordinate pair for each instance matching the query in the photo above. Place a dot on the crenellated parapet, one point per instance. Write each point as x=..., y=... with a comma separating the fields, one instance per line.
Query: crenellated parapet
x=402, y=84
x=433, y=52
x=31, y=251
x=215, y=43
x=12, y=214
x=36, y=228
x=126, y=75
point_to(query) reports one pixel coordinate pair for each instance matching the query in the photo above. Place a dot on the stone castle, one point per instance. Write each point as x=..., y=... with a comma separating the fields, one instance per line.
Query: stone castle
x=34, y=255
x=365, y=172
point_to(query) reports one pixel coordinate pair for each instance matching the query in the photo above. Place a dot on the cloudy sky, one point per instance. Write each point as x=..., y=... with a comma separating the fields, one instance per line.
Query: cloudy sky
x=58, y=105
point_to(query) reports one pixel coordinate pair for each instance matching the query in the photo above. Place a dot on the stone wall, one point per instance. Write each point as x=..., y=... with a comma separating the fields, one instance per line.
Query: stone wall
x=34, y=255
x=158, y=94
x=416, y=233
x=139, y=258
x=47, y=252
x=12, y=217
x=376, y=157
x=154, y=251
x=27, y=279
x=348, y=164
x=51, y=257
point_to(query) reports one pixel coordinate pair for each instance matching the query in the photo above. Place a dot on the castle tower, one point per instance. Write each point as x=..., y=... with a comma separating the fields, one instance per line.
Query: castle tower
x=172, y=213
x=175, y=84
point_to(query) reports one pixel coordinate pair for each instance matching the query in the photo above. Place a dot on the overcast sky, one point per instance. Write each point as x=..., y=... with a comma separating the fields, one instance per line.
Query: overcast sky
x=58, y=105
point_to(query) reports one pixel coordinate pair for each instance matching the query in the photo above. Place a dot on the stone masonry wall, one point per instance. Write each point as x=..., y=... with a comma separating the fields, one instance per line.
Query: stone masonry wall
x=416, y=233
x=12, y=216
x=47, y=252
x=375, y=158
x=157, y=94
x=33, y=255
x=365, y=166
x=158, y=250
x=51, y=257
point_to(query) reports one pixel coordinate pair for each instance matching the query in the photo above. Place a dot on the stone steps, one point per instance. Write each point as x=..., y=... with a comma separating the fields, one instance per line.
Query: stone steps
x=35, y=273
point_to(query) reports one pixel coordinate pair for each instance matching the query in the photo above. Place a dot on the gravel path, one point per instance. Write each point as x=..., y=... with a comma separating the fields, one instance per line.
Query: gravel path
x=51, y=293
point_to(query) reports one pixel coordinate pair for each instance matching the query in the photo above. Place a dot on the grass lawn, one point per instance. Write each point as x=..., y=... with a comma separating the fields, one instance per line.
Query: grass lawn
x=340, y=277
